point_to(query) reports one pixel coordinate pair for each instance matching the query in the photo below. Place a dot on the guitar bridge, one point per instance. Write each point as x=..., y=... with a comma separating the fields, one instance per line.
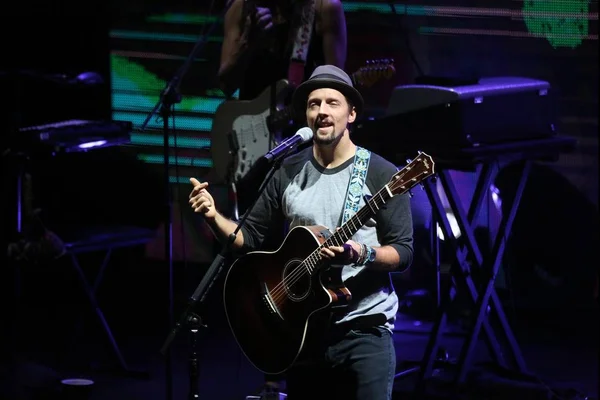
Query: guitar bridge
x=269, y=304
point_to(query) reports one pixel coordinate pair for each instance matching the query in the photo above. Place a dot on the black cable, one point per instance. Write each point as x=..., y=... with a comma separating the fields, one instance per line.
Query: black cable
x=404, y=33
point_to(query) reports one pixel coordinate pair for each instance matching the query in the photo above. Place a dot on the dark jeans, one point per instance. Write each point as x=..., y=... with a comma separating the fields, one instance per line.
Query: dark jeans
x=358, y=364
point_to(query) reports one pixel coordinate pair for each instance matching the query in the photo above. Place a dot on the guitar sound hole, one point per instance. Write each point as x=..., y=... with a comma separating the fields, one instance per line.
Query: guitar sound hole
x=296, y=280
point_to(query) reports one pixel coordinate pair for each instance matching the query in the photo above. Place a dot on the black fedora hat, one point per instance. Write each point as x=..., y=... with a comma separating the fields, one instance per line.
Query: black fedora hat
x=326, y=76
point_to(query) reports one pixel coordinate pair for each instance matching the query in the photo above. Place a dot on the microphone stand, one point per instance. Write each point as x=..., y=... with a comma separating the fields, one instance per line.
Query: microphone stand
x=189, y=317
x=166, y=106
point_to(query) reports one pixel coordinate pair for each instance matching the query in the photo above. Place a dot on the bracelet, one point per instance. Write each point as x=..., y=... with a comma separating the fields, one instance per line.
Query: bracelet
x=370, y=252
x=360, y=254
x=363, y=255
x=358, y=257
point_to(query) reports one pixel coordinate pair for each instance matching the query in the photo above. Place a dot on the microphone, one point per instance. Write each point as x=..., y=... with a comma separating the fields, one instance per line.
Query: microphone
x=302, y=136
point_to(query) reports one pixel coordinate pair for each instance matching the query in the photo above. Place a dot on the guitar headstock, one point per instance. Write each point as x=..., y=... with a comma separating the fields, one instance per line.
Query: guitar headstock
x=412, y=174
x=374, y=71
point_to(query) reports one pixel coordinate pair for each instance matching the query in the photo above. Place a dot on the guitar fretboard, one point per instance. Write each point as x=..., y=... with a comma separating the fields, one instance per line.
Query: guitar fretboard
x=347, y=230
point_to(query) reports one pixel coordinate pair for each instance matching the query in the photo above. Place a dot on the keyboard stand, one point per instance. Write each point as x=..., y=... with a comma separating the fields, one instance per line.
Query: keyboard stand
x=468, y=256
x=461, y=275
x=106, y=240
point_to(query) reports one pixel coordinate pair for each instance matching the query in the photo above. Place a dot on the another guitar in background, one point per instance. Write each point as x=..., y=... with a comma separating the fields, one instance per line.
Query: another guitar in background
x=244, y=130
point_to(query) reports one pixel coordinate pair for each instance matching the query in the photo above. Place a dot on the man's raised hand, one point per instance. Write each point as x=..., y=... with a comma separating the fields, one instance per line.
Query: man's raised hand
x=201, y=200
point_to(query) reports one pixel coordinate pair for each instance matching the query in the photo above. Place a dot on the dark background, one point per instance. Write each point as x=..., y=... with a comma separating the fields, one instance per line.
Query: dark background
x=554, y=249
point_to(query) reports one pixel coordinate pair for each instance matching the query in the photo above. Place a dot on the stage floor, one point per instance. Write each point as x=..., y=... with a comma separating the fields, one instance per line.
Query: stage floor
x=564, y=354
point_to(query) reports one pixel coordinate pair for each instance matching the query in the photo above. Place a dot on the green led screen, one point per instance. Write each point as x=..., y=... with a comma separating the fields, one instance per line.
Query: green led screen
x=148, y=50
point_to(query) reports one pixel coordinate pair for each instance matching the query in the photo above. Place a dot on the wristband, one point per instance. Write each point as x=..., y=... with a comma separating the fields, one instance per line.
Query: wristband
x=361, y=256
x=371, y=254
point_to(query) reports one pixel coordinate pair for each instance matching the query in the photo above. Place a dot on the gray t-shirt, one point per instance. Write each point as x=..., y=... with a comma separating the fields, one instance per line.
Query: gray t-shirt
x=303, y=193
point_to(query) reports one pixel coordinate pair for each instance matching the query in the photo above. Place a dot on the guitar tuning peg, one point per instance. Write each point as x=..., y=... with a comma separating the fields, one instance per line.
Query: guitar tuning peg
x=408, y=160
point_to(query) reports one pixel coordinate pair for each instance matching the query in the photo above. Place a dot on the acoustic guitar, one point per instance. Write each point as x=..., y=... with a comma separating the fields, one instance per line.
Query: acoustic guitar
x=273, y=299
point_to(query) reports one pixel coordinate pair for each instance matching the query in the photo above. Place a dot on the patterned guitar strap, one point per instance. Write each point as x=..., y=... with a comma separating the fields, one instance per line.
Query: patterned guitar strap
x=306, y=12
x=357, y=181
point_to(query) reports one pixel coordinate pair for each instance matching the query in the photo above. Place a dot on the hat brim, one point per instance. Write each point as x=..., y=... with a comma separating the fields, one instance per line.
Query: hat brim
x=301, y=94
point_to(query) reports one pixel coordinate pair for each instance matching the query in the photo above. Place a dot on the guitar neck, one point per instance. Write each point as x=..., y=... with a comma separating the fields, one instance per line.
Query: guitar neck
x=402, y=181
x=347, y=230
x=352, y=226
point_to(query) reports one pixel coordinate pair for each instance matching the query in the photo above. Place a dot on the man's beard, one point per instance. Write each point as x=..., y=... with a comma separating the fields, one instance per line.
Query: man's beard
x=330, y=139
